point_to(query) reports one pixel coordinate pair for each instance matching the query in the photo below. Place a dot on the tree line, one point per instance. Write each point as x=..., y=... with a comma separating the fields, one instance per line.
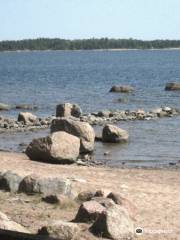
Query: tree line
x=86, y=44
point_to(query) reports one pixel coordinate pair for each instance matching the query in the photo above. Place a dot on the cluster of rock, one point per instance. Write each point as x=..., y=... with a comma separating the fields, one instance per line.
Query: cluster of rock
x=105, y=215
x=108, y=216
x=172, y=86
x=70, y=138
x=26, y=121
x=33, y=184
x=107, y=116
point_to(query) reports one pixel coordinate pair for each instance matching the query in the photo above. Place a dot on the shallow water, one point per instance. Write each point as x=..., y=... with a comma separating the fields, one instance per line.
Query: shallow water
x=85, y=77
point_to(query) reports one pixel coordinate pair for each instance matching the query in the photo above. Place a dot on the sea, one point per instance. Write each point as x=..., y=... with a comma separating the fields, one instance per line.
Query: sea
x=47, y=78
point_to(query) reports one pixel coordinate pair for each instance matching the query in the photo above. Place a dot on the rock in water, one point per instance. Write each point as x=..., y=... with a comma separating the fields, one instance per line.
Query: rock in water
x=26, y=106
x=122, y=89
x=77, y=128
x=67, y=110
x=60, y=230
x=27, y=117
x=114, y=223
x=59, y=147
x=114, y=134
x=7, y=224
x=172, y=86
x=89, y=211
x=4, y=107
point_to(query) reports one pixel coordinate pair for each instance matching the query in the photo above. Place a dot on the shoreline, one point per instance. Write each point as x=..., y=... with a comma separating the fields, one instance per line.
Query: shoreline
x=92, y=50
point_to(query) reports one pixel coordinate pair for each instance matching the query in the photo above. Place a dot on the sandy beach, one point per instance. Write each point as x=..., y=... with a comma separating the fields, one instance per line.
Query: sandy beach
x=154, y=192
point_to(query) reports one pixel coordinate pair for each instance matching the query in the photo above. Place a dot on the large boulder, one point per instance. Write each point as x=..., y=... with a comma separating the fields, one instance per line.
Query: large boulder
x=172, y=86
x=4, y=107
x=60, y=147
x=114, y=134
x=67, y=110
x=33, y=184
x=114, y=223
x=7, y=224
x=27, y=117
x=122, y=89
x=82, y=130
x=89, y=211
x=61, y=230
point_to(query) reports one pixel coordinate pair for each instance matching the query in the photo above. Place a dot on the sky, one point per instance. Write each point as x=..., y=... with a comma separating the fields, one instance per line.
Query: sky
x=77, y=19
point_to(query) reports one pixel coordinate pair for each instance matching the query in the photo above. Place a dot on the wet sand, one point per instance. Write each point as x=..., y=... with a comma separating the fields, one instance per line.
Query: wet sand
x=154, y=192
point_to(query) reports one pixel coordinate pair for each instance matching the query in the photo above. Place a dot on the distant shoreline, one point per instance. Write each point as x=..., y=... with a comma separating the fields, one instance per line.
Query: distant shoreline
x=92, y=50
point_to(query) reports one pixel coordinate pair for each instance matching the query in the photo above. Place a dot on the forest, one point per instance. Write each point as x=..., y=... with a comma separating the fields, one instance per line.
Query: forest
x=86, y=44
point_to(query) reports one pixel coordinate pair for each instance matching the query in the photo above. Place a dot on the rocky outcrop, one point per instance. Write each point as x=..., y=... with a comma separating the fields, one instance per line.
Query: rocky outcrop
x=172, y=86
x=77, y=128
x=89, y=211
x=114, y=223
x=114, y=134
x=60, y=147
x=7, y=224
x=27, y=117
x=122, y=89
x=68, y=110
x=60, y=230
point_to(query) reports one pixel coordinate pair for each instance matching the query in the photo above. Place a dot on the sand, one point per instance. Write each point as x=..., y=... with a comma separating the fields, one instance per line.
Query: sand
x=154, y=192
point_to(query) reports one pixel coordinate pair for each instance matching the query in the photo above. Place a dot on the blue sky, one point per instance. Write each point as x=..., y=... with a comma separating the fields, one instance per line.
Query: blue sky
x=73, y=19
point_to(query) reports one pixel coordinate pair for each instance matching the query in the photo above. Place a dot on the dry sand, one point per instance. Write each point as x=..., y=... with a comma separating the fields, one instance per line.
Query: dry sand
x=155, y=193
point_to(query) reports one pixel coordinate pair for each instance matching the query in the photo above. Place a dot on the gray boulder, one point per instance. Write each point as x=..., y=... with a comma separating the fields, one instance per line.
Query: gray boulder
x=114, y=134
x=82, y=130
x=122, y=89
x=114, y=223
x=9, y=181
x=67, y=110
x=33, y=184
x=59, y=147
x=172, y=86
x=61, y=230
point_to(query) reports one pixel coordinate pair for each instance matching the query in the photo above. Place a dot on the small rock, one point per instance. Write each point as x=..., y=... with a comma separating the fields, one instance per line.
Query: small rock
x=172, y=86
x=85, y=196
x=122, y=89
x=4, y=107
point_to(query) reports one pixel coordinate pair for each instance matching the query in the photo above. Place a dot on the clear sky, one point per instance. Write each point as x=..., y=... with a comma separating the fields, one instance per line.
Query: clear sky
x=73, y=19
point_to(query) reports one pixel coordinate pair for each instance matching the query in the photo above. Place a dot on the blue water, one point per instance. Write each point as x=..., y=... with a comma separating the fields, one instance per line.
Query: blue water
x=85, y=77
